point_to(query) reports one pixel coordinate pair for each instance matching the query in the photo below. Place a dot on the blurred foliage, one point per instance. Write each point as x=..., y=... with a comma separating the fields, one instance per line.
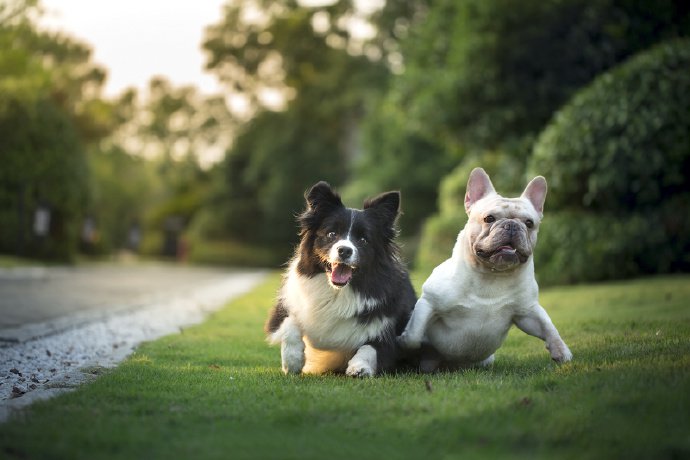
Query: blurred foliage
x=43, y=165
x=325, y=79
x=504, y=72
x=43, y=161
x=395, y=158
x=481, y=78
x=579, y=246
x=103, y=168
x=480, y=74
x=618, y=160
x=121, y=191
x=623, y=143
x=410, y=95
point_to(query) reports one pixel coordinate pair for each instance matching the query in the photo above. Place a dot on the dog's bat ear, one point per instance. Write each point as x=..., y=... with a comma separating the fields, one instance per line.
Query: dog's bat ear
x=478, y=186
x=535, y=192
x=322, y=195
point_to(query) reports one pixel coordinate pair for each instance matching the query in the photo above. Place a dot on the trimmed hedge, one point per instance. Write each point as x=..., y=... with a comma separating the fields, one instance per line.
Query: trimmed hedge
x=617, y=158
x=579, y=246
x=623, y=143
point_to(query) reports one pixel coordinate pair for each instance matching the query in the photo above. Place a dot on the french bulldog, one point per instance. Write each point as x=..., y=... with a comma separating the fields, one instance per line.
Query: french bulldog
x=471, y=300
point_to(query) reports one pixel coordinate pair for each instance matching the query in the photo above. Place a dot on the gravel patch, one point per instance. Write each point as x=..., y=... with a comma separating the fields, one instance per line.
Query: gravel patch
x=46, y=366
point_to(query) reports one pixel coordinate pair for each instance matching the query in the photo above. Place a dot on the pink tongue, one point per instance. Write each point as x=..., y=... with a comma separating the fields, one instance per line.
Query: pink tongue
x=341, y=274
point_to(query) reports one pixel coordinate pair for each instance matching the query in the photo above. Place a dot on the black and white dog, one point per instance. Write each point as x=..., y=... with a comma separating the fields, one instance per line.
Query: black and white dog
x=346, y=294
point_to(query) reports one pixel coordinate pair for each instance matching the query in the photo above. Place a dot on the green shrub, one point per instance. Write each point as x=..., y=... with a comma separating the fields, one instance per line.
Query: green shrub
x=482, y=72
x=617, y=159
x=438, y=239
x=578, y=246
x=234, y=253
x=623, y=143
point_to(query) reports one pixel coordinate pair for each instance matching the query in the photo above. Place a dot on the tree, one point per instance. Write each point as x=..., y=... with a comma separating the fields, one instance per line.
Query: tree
x=480, y=74
x=324, y=78
x=51, y=113
x=43, y=179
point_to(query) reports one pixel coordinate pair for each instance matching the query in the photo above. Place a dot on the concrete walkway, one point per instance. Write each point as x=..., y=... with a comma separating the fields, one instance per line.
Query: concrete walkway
x=59, y=326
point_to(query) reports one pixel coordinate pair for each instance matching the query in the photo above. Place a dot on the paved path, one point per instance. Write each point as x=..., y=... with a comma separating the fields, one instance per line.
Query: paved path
x=59, y=324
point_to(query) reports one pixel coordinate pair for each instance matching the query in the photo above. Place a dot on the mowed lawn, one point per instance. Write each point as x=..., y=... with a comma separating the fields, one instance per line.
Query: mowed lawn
x=216, y=391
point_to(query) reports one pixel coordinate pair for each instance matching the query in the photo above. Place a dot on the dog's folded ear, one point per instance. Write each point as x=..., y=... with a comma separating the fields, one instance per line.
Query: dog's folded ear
x=322, y=196
x=387, y=205
x=478, y=186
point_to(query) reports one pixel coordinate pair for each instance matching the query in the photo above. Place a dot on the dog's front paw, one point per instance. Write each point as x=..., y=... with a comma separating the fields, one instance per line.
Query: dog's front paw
x=292, y=358
x=560, y=352
x=408, y=342
x=360, y=370
x=363, y=363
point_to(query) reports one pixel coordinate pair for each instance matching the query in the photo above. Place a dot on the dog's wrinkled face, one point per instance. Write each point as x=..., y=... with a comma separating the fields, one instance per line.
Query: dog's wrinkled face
x=343, y=242
x=502, y=232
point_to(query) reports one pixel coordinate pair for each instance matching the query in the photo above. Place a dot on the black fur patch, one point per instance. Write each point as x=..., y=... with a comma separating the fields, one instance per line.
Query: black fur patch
x=275, y=318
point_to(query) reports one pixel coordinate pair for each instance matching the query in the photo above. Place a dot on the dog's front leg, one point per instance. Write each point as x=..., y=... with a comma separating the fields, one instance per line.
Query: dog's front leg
x=291, y=346
x=538, y=324
x=412, y=336
x=364, y=363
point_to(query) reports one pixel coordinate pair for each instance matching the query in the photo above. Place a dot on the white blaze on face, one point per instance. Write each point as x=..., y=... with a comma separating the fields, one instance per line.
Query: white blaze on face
x=343, y=257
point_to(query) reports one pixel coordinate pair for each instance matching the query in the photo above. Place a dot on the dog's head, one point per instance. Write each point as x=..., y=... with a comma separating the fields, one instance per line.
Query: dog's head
x=502, y=232
x=343, y=242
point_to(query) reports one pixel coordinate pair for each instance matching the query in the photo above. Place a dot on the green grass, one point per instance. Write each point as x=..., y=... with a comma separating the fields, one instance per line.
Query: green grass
x=8, y=261
x=216, y=391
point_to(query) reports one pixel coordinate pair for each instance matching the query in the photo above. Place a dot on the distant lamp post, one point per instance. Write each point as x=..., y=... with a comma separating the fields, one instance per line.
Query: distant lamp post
x=88, y=230
x=42, y=221
x=134, y=237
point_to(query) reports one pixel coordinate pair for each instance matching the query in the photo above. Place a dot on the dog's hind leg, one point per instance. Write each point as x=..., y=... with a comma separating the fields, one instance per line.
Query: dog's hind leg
x=488, y=362
x=429, y=359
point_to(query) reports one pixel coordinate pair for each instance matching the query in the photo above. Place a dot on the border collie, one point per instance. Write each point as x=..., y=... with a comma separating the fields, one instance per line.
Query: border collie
x=346, y=294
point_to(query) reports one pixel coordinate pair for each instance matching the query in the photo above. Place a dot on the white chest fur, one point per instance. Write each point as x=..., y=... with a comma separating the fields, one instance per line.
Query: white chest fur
x=472, y=316
x=326, y=315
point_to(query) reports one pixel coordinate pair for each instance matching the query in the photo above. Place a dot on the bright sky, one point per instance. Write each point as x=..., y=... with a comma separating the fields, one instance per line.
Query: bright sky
x=138, y=39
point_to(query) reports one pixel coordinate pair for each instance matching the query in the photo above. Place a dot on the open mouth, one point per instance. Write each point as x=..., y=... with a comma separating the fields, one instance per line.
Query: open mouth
x=340, y=274
x=506, y=250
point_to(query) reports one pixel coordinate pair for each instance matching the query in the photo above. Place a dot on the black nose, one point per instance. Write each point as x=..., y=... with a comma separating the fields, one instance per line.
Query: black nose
x=344, y=252
x=511, y=226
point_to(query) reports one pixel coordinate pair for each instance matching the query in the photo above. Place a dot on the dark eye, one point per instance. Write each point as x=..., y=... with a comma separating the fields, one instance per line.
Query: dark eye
x=363, y=240
x=489, y=219
x=529, y=223
x=331, y=235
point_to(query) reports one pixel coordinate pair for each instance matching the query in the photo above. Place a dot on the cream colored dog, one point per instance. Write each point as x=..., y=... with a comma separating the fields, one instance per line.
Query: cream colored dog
x=471, y=300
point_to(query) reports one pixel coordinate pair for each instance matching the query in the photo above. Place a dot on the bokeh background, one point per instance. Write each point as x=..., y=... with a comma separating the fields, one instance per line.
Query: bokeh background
x=370, y=96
